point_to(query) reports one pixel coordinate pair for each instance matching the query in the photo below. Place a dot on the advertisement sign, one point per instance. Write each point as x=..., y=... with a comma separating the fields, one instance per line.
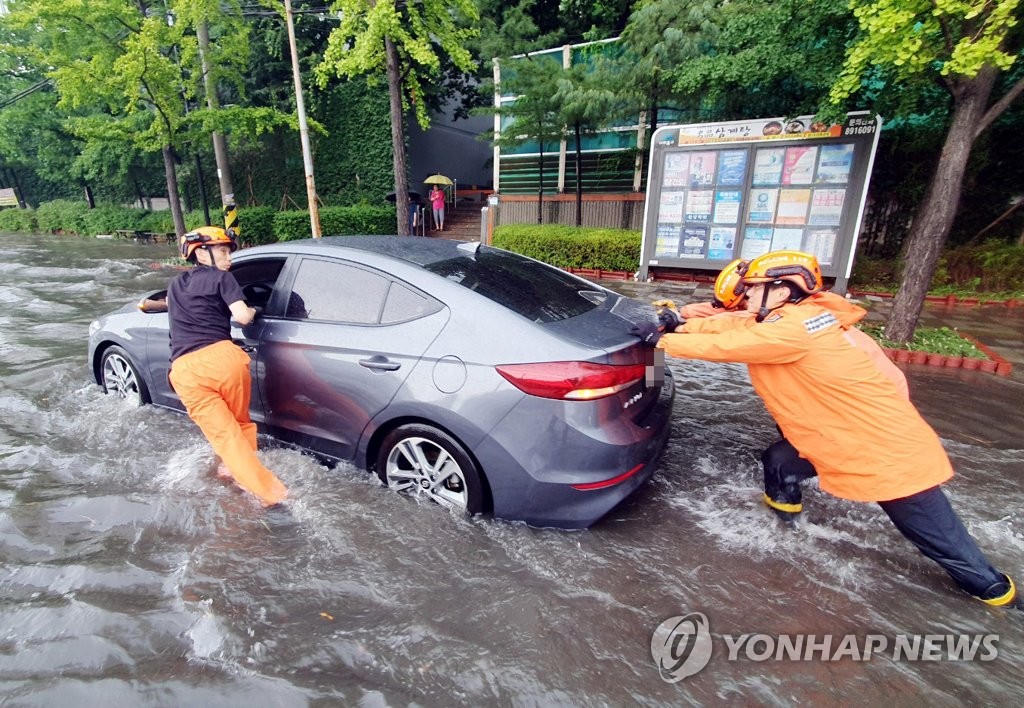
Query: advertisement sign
x=717, y=191
x=8, y=197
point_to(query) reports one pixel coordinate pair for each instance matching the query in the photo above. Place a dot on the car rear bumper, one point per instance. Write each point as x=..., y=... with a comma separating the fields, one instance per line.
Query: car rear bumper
x=532, y=478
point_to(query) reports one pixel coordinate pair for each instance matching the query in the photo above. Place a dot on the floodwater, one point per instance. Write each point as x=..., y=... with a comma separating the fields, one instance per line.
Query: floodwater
x=132, y=576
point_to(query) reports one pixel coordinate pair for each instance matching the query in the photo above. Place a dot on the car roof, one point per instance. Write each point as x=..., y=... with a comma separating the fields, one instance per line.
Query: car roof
x=417, y=250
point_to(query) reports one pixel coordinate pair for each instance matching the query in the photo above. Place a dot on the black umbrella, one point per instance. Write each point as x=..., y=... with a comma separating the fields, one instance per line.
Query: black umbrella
x=413, y=196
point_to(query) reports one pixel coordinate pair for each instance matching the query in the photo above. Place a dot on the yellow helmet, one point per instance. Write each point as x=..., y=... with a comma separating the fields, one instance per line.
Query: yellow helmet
x=206, y=236
x=729, y=288
x=796, y=267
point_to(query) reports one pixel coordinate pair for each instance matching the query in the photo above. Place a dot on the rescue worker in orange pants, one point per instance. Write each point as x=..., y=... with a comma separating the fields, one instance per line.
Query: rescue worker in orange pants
x=847, y=419
x=208, y=371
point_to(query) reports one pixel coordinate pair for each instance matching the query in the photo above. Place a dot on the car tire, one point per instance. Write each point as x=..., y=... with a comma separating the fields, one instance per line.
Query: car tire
x=428, y=462
x=120, y=377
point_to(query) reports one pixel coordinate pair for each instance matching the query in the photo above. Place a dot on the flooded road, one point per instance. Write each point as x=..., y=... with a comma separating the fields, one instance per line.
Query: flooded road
x=132, y=576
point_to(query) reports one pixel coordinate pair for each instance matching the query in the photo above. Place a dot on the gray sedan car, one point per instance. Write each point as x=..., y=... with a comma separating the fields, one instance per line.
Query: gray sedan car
x=479, y=378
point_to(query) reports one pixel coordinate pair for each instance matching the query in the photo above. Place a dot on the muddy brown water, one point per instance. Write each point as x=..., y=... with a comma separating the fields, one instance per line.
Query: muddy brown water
x=132, y=576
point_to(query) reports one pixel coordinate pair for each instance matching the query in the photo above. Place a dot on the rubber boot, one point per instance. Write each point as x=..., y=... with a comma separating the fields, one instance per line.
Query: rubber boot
x=788, y=514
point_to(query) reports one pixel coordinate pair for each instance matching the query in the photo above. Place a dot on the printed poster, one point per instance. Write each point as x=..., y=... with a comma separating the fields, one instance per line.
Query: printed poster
x=667, y=243
x=670, y=208
x=756, y=241
x=761, y=207
x=698, y=204
x=695, y=241
x=821, y=243
x=702, y=169
x=787, y=239
x=826, y=207
x=727, y=207
x=835, y=163
x=732, y=167
x=793, y=206
x=677, y=169
x=799, y=165
x=768, y=165
x=721, y=243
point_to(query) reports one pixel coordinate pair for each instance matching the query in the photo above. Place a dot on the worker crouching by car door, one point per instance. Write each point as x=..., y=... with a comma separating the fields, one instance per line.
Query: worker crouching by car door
x=849, y=420
x=208, y=371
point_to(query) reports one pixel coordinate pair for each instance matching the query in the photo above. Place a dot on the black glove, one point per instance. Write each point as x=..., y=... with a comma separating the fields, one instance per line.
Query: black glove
x=648, y=332
x=669, y=319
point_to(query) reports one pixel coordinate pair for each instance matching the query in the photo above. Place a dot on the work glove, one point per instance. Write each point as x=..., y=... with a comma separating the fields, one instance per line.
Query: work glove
x=665, y=302
x=648, y=332
x=669, y=319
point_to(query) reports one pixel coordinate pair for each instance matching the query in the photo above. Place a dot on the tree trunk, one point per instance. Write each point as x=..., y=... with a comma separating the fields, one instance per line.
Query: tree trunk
x=540, y=187
x=935, y=215
x=397, y=138
x=171, y=172
x=579, y=176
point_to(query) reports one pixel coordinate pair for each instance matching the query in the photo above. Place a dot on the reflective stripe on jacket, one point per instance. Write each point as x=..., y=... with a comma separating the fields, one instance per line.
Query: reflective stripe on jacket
x=832, y=402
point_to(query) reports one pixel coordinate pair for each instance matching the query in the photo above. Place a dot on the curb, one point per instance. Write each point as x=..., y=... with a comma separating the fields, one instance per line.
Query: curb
x=994, y=364
x=947, y=300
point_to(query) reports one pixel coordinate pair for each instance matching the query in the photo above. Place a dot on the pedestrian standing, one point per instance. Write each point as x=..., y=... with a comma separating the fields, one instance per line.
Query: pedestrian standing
x=208, y=371
x=437, y=206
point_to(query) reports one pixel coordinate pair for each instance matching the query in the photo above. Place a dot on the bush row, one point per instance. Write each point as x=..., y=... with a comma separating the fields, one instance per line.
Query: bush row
x=258, y=224
x=573, y=247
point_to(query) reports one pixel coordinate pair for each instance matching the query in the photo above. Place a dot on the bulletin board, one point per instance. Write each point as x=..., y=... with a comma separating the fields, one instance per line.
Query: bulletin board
x=720, y=191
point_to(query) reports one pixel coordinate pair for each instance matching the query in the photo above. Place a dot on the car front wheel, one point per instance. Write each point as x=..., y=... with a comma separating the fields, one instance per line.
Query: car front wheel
x=121, y=378
x=425, y=461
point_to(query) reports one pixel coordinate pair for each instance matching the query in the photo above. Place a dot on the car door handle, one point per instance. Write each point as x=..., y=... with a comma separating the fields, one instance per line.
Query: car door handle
x=380, y=363
x=241, y=344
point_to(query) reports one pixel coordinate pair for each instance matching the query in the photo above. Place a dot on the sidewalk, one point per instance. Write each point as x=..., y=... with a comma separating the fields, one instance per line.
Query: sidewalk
x=999, y=327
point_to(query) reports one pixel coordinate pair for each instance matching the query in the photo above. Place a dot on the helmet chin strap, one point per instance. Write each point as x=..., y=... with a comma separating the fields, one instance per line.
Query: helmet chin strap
x=764, y=310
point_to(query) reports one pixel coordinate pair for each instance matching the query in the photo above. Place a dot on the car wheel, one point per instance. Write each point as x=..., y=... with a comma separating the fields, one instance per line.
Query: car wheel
x=120, y=377
x=425, y=461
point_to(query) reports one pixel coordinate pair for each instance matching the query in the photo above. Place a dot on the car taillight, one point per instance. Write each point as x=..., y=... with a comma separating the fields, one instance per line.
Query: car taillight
x=571, y=380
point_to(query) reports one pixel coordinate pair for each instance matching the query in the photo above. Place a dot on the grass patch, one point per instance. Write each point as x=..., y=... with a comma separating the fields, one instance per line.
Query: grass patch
x=934, y=340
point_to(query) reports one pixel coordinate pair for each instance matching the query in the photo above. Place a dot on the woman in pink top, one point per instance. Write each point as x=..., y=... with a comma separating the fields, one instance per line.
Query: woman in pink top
x=437, y=204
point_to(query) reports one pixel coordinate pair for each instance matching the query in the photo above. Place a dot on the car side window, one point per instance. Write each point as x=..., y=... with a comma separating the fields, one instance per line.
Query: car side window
x=337, y=292
x=404, y=304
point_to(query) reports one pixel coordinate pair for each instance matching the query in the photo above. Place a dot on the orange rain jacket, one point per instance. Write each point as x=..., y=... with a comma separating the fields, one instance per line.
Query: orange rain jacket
x=827, y=395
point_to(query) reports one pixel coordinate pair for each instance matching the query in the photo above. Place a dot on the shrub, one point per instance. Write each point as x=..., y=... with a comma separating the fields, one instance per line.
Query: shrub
x=15, y=219
x=336, y=221
x=573, y=247
x=158, y=221
x=62, y=215
x=257, y=224
x=108, y=218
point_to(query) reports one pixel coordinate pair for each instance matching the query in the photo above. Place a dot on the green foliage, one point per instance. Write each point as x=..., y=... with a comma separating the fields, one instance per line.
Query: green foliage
x=934, y=340
x=14, y=219
x=62, y=216
x=106, y=219
x=993, y=270
x=336, y=221
x=156, y=221
x=573, y=247
x=257, y=224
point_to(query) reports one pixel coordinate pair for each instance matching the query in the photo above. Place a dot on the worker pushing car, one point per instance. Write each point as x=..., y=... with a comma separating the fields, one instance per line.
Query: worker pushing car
x=208, y=371
x=851, y=422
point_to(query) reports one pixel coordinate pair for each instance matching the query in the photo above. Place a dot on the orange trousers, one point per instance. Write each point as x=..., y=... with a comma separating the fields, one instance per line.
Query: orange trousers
x=215, y=386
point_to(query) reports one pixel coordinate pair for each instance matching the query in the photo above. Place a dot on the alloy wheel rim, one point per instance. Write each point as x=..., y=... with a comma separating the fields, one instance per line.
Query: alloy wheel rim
x=119, y=377
x=423, y=468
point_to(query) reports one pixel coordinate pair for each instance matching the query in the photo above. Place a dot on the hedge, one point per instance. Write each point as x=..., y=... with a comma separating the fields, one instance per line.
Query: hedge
x=336, y=221
x=573, y=247
x=15, y=219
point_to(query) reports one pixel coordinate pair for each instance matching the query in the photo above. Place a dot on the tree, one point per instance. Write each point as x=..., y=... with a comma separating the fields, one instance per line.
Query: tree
x=586, y=100
x=534, y=115
x=965, y=47
x=403, y=41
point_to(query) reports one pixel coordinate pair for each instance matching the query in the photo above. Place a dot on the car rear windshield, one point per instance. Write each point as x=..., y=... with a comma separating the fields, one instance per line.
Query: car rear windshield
x=537, y=292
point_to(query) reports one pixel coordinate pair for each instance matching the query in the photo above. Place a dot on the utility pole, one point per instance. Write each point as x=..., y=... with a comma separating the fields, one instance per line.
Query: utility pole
x=220, y=148
x=307, y=157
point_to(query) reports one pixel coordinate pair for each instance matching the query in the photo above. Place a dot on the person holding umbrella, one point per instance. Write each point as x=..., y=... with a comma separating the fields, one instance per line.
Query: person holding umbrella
x=437, y=205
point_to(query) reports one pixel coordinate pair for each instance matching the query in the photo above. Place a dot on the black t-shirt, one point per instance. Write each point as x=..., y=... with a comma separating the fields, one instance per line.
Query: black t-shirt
x=197, y=308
